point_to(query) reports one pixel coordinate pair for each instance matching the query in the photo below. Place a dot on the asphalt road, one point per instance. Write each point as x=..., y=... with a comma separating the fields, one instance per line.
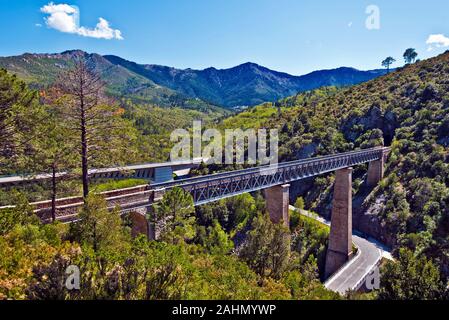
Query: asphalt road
x=353, y=274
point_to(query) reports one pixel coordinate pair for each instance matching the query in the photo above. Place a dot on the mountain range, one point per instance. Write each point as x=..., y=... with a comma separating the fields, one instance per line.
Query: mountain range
x=245, y=85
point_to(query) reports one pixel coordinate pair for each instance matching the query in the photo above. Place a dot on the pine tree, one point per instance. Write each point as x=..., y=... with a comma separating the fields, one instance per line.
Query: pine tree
x=105, y=138
x=388, y=62
x=410, y=55
x=20, y=113
x=175, y=214
x=267, y=248
x=99, y=227
x=56, y=147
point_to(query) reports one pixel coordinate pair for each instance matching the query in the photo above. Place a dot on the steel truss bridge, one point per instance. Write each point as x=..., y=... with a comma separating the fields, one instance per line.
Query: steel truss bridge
x=213, y=187
x=205, y=189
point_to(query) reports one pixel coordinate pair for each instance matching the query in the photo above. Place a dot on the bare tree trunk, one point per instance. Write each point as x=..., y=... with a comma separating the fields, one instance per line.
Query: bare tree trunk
x=85, y=87
x=82, y=109
x=53, y=193
x=85, y=168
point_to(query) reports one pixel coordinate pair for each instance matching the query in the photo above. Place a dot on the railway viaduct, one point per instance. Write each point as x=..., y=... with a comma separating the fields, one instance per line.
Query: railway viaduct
x=273, y=180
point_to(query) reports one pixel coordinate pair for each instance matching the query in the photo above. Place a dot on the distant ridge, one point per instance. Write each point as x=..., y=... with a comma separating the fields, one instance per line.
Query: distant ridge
x=244, y=85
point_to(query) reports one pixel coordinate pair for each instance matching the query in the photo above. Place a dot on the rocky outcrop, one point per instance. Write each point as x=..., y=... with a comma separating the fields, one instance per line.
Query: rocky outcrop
x=366, y=220
x=307, y=151
x=374, y=118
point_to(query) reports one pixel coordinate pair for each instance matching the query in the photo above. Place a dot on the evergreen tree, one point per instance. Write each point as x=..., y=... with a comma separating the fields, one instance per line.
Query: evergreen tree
x=299, y=203
x=388, y=62
x=174, y=215
x=267, y=248
x=411, y=278
x=99, y=227
x=20, y=113
x=217, y=240
x=410, y=55
x=56, y=150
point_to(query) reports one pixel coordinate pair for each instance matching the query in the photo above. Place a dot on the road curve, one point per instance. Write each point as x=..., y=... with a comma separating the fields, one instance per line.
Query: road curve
x=353, y=274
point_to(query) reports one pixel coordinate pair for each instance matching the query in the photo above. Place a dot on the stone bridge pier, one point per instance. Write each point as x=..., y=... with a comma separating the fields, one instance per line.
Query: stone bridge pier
x=277, y=201
x=141, y=222
x=340, y=238
x=376, y=171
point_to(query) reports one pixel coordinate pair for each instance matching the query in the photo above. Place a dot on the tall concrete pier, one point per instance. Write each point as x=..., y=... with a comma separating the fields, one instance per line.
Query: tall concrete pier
x=277, y=200
x=375, y=172
x=340, y=238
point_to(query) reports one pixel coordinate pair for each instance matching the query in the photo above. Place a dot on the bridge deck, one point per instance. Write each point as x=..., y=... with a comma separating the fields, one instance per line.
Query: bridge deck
x=138, y=171
x=213, y=187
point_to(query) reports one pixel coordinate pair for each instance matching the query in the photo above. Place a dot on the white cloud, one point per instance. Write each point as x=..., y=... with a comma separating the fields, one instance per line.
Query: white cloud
x=65, y=18
x=55, y=8
x=102, y=30
x=438, y=41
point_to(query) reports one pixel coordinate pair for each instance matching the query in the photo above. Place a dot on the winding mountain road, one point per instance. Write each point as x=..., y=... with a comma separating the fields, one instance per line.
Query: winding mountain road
x=353, y=274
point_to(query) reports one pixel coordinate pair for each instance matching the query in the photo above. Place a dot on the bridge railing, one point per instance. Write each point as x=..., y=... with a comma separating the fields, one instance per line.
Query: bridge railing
x=209, y=188
x=226, y=184
x=269, y=168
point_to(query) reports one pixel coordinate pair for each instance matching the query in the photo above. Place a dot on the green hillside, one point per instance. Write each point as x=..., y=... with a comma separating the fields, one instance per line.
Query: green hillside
x=260, y=116
x=41, y=70
x=407, y=109
x=156, y=124
x=248, y=84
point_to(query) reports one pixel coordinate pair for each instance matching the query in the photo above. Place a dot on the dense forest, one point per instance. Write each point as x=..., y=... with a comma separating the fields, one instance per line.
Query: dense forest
x=407, y=110
x=199, y=253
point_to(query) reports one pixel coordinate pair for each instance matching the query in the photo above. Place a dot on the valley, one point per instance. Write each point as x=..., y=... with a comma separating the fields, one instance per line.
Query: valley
x=405, y=110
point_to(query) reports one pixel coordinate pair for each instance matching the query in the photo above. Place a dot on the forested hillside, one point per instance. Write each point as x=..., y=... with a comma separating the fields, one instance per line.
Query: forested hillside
x=245, y=85
x=156, y=124
x=42, y=70
x=228, y=250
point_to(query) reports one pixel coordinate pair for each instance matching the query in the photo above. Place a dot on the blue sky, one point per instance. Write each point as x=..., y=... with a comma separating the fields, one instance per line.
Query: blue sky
x=294, y=36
